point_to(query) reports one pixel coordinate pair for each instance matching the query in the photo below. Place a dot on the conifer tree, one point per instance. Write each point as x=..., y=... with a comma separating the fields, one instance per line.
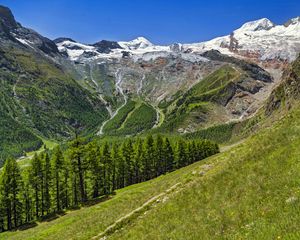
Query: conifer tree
x=27, y=197
x=79, y=168
x=106, y=169
x=115, y=156
x=159, y=156
x=57, y=166
x=180, y=154
x=11, y=185
x=36, y=180
x=93, y=158
x=168, y=156
x=149, y=158
x=127, y=155
x=47, y=182
x=137, y=161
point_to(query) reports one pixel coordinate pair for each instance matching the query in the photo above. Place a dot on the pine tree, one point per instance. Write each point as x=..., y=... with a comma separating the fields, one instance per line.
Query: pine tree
x=2, y=211
x=168, y=156
x=149, y=158
x=47, y=182
x=159, y=156
x=57, y=165
x=127, y=156
x=106, y=169
x=180, y=154
x=27, y=199
x=115, y=156
x=93, y=158
x=121, y=167
x=137, y=161
x=79, y=168
x=11, y=185
x=66, y=189
x=36, y=180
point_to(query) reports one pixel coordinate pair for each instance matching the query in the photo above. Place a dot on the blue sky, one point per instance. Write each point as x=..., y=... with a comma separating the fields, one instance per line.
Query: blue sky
x=161, y=21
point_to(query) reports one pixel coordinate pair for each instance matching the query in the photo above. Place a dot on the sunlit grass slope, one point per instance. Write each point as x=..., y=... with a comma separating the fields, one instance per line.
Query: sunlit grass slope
x=252, y=192
x=249, y=192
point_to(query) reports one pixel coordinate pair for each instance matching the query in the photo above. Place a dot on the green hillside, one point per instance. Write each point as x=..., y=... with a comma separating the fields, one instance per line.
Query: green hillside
x=249, y=191
x=135, y=117
x=39, y=98
x=202, y=104
x=137, y=141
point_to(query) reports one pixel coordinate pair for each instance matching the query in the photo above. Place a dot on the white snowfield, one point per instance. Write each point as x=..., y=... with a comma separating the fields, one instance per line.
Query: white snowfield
x=261, y=38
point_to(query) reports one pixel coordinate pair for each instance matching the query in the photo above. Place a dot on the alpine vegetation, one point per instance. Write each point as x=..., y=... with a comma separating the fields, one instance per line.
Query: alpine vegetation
x=59, y=180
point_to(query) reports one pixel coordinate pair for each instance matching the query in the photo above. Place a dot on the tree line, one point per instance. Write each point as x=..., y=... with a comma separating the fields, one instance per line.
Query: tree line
x=58, y=180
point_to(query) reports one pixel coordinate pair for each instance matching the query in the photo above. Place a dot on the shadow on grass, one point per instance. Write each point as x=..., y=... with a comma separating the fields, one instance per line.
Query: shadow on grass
x=26, y=226
x=52, y=216
x=97, y=200
x=56, y=215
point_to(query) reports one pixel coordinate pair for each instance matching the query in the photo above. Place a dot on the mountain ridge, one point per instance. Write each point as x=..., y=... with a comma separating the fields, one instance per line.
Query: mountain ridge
x=141, y=45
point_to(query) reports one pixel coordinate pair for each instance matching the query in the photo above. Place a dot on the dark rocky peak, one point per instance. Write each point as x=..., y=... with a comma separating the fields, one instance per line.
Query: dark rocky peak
x=63, y=39
x=253, y=70
x=292, y=21
x=7, y=18
x=35, y=40
x=105, y=46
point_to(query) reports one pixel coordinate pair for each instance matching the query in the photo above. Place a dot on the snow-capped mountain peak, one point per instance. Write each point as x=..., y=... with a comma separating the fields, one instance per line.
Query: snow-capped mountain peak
x=292, y=21
x=257, y=25
x=138, y=43
x=260, y=39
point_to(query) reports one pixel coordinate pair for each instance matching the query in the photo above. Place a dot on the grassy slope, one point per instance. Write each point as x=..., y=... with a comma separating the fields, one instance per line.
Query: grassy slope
x=38, y=98
x=26, y=160
x=52, y=100
x=133, y=118
x=200, y=104
x=15, y=138
x=251, y=191
x=142, y=118
x=118, y=120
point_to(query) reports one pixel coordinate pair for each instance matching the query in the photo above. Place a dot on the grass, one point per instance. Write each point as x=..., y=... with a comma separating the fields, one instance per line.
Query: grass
x=198, y=106
x=249, y=192
x=142, y=118
x=220, y=133
x=135, y=117
x=215, y=81
x=252, y=192
x=26, y=160
x=116, y=122
x=45, y=99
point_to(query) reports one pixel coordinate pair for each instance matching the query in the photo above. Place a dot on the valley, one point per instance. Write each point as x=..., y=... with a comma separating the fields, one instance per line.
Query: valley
x=135, y=140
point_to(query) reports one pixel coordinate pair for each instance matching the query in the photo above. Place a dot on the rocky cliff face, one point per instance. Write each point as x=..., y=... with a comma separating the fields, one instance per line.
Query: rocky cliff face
x=13, y=32
x=287, y=91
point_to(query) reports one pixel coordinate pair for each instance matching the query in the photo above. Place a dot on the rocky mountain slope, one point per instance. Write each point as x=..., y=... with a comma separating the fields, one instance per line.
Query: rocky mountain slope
x=158, y=74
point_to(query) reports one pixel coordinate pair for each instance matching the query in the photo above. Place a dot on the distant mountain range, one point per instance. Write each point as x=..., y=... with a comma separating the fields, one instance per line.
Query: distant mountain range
x=260, y=39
